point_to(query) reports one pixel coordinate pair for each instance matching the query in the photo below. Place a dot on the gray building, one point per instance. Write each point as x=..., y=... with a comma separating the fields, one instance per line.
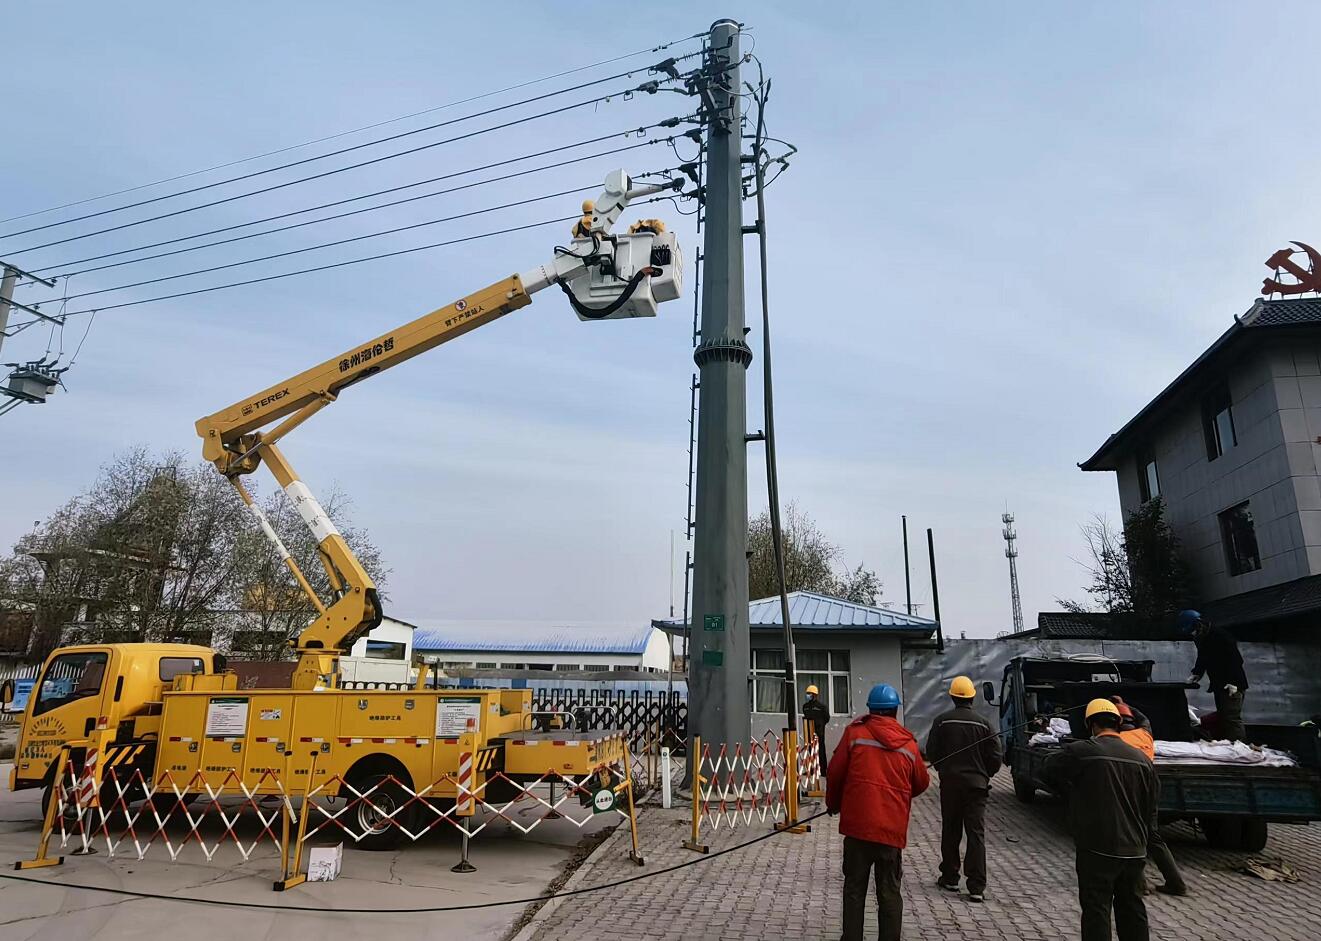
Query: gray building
x=1233, y=446
x=842, y=647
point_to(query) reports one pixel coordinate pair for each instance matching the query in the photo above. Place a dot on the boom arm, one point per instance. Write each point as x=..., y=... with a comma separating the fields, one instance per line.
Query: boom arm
x=631, y=273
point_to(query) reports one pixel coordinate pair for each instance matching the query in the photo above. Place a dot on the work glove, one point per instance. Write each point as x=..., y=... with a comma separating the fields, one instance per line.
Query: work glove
x=1194, y=680
x=1231, y=689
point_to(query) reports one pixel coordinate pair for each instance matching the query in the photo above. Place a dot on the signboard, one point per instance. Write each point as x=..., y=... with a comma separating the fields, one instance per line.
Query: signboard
x=713, y=622
x=226, y=717
x=603, y=800
x=713, y=658
x=453, y=713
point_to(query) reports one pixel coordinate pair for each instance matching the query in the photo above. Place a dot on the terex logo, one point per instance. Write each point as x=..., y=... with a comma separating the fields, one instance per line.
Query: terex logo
x=273, y=397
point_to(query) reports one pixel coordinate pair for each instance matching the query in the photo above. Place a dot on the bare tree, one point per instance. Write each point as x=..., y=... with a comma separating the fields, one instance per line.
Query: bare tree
x=809, y=561
x=1138, y=572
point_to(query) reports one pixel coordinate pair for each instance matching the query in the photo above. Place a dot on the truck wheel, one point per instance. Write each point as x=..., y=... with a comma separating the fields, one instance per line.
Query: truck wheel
x=1025, y=790
x=1252, y=837
x=1223, y=833
x=378, y=817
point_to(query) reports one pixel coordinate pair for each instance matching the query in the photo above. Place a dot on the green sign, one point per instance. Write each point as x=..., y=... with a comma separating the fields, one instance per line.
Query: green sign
x=713, y=658
x=713, y=622
x=603, y=800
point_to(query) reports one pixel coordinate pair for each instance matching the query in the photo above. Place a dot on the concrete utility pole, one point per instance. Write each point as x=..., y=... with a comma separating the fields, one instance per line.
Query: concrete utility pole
x=719, y=710
x=6, y=299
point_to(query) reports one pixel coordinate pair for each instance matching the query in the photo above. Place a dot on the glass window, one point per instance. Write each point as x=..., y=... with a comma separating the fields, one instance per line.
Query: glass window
x=596, y=667
x=174, y=666
x=70, y=676
x=1148, y=475
x=385, y=650
x=1239, y=536
x=513, y=666
x=1218, y=422
x=827, y=670
x=567, y=667
x=485, y=665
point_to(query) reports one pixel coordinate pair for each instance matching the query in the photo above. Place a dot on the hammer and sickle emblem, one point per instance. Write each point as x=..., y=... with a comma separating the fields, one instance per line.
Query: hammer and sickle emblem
x=1283, y=260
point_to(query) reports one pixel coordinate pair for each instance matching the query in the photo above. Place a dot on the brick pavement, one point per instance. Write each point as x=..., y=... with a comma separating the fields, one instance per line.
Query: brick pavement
x=789, y=886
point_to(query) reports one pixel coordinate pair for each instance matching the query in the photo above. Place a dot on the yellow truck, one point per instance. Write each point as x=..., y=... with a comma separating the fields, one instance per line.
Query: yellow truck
x=173, y=713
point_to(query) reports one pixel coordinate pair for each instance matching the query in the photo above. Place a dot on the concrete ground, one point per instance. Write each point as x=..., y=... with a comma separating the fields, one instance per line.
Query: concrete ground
x=510, y=866
x=789, y=886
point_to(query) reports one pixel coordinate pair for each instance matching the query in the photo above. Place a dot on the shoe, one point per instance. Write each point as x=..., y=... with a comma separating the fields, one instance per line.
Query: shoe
x=976, y=897
x=942, y=884
x=1168, y=889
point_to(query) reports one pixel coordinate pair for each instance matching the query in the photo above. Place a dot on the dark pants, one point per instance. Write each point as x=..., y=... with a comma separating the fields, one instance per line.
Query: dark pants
x=1229, y=709
x=860, y=858
x=1106, y=884
x=1158, y=851
x=963, y=810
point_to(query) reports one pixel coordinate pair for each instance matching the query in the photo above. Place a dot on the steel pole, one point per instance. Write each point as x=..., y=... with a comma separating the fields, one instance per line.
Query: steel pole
x=719, y=708
x=908, y=582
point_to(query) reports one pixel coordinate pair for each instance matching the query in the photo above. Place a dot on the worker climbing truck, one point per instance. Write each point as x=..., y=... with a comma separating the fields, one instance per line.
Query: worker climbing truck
x=170, y=717
x=1232, y=792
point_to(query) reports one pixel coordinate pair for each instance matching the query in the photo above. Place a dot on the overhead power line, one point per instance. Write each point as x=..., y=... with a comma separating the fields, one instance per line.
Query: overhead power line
x=325, y=173
x=352, y=199
x=356, y=147
x=341, y=264
x=356, y=130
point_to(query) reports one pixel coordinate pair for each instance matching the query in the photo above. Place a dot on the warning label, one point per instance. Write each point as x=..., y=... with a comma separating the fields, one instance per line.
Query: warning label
x=227, y=717
x=453, y=714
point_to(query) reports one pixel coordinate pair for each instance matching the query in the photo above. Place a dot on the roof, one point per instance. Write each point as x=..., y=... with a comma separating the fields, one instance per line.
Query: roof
x=1069, y=625
x=1276, y=603
x=531, y=637
x=1263, y=315
x=813, y=611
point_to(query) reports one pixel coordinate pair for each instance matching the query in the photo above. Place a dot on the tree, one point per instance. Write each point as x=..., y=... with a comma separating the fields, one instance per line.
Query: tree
x=809, y=561
x=1140, y=572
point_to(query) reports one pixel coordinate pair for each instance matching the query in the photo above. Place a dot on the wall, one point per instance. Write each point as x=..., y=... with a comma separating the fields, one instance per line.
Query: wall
x=629, y=661
x=1282, y=677
x=1296, y=370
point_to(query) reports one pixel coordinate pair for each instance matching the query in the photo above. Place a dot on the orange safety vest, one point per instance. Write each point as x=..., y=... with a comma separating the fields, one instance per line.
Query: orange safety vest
x=1141, y=740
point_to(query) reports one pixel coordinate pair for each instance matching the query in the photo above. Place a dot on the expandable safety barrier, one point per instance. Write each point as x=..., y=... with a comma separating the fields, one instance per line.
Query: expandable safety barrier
x=759, y=784
x=128, y=814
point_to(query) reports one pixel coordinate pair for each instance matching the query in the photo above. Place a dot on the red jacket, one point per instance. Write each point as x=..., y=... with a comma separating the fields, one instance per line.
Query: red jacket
x=874, y=775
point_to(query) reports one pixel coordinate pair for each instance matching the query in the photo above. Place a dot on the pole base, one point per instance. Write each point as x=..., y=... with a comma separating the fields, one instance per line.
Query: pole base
x=696, y=847
x=637, y=858
x=86, y=851
x=39, y=863
x=463, y=866
x=793, y=827
x=285, y=884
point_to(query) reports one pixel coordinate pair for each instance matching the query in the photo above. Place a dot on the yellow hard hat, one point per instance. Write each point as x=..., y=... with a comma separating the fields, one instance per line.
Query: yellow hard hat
x=813, y=690
x=961, y=688
x=1099, y=707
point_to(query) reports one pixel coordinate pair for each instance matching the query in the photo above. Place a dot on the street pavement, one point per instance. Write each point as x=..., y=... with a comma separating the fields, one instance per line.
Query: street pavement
x=510, y=867
x=789, y=886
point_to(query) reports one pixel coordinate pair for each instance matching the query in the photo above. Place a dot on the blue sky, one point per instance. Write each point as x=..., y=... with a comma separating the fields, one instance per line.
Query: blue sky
x=1005, y=230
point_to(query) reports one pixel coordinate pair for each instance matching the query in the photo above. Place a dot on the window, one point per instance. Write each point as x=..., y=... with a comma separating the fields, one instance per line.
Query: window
x=1240, y=539
x=485, y=665
x=596, y=667
x=69, y=677
x=566, y=667
x=174, y=666
x=828, y=670
x=385, y=650
x=1148, y=475
x=1218, y=422
x=538, y=666
x=513, y=666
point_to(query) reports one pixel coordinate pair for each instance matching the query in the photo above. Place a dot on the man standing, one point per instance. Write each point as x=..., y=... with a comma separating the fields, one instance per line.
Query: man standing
x=1112, y=791
x=965, y=751
x=874, y=775
x=817, y=715
x=1218, y=657
x=1135, y=729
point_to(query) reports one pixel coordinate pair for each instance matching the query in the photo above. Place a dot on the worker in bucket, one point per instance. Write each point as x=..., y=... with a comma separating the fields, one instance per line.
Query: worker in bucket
x=1135, y=729
x=817, y=715
x=873, y=776
x=1218, y=657
x=1112, y=792
x=965, y=751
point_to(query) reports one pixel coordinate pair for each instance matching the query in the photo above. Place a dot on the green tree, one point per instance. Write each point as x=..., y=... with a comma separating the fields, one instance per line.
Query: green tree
x=809, y=561
x=1139, y=572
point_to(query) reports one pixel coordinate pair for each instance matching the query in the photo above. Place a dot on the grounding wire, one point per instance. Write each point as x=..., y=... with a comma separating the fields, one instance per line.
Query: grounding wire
x=356, y=130
x=356, y=147
x=351, y=199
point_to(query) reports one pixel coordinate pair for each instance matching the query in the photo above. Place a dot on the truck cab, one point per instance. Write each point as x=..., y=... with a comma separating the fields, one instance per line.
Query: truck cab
x=116, y=689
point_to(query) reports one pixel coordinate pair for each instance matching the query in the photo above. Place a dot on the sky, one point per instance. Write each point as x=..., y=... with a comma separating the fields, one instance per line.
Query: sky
x=1004, y=230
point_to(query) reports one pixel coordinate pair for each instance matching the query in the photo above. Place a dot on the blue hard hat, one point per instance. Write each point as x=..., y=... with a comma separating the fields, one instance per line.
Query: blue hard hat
x=1188, y=621
x=882, y=697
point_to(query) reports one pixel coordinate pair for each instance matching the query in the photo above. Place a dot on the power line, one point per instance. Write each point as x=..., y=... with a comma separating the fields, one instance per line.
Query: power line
x=351, y=199
x=344, y=241
x=356, y=130
x=351, y=149
x=342, y=264
x=326, y=173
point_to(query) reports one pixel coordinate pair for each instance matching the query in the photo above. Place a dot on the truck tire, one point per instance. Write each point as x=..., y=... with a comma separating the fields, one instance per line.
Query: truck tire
x=367, y=816
x=1252, y=836
x=1025, y=789
x=1222, y=833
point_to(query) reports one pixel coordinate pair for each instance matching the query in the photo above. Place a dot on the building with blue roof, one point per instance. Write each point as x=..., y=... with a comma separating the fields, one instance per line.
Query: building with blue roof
x=593, y=646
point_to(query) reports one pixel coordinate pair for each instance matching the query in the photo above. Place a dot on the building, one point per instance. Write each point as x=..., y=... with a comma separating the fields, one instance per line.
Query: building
x=543, y=645
x=1232, y=445
x=843, y=648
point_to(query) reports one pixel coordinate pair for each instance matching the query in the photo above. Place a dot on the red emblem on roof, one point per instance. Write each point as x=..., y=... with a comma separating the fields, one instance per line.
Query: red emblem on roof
x=1308, y=279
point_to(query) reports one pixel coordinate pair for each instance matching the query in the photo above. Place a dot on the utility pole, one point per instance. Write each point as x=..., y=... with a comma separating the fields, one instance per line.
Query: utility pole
x=34, y=381
x=9, y=276
x=719, y=709
x=908, y=581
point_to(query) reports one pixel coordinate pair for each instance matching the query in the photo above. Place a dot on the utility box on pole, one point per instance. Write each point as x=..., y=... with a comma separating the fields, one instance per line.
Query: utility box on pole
x=719, y=668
